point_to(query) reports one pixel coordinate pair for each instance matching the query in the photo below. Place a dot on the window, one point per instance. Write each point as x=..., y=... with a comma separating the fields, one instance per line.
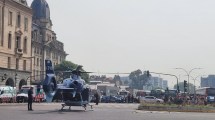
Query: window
x=34, y=61
x=8, y=62
x=25, y=45
x=18, y=20
x=26, y=24
x=35, y=49
x=18, y=42
x=17, y=63
x=10, y=18
x=41, y=62
x=24, y=64
x=37, y=61
x=9, y=40
x=38, y=51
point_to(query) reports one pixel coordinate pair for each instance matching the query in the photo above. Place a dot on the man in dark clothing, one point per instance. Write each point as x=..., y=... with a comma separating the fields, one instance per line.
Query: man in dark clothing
x=30, y=99
x=96, y=95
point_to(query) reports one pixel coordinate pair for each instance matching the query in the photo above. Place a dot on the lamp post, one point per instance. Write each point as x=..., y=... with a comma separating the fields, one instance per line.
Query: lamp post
x=169, y=75
x=195, y=84
x=188, y=75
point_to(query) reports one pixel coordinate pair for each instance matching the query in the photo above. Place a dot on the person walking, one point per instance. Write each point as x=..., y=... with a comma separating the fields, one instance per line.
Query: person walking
x=30, y=99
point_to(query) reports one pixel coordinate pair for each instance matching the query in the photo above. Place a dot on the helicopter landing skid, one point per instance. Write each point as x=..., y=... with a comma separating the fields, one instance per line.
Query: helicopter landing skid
x=84, y=106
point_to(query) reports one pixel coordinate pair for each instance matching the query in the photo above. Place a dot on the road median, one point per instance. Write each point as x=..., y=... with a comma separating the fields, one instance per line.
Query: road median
x=177, y=108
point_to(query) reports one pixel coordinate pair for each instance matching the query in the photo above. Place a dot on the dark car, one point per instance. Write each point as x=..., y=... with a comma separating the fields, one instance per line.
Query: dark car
x=112, y=99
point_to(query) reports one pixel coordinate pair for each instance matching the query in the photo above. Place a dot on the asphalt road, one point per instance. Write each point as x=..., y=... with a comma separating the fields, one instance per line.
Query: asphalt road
x=51, y=111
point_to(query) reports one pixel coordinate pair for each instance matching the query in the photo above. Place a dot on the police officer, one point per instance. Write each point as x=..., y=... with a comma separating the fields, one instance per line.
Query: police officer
x=30, y=99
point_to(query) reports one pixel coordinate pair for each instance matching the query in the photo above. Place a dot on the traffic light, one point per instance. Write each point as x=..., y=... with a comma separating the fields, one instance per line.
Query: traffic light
x=185, y=83
x=185, y=86
x=185, y=89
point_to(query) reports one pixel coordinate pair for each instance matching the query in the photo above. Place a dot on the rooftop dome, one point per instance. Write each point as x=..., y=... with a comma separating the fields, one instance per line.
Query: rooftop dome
x=40, y=9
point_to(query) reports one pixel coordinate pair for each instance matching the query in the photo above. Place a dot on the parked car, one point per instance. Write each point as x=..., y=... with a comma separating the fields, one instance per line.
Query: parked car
x=151, y=99
x=112, y=99
x=7, y=94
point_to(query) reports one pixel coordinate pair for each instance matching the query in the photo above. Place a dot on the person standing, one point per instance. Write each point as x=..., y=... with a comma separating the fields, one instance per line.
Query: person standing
x=96, y=95
x=30, y=99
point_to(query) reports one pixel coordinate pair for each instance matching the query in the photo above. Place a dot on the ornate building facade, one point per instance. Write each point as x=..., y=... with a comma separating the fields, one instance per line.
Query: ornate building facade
x=26, y=40
x=44, y=41
x=15, y=42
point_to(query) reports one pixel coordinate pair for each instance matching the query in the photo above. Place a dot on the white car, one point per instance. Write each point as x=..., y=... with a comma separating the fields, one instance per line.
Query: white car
x=151, y=99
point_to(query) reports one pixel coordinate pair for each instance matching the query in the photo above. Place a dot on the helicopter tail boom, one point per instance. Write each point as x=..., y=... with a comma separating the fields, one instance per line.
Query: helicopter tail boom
x=49, y=84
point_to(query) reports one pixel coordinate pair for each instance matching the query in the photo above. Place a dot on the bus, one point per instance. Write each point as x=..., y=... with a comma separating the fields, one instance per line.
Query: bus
x=171, y=92
x=158, y=93
x=206, y=92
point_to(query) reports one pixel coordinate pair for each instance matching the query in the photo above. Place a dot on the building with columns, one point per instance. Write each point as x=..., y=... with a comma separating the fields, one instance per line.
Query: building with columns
x=15, y=42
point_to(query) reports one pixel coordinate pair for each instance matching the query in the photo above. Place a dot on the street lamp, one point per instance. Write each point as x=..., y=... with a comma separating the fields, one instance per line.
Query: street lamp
x=188, y=75
x=195, y=84
x=169, y=75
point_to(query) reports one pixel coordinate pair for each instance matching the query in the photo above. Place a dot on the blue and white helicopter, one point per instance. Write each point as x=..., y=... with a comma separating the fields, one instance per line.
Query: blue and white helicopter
x=73, y=91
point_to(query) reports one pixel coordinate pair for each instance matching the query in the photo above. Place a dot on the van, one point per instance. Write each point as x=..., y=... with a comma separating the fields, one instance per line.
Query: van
x=22, y=95
x=7, y=94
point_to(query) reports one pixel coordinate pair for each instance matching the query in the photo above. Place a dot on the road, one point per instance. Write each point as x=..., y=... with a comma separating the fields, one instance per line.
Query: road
x=104, y=111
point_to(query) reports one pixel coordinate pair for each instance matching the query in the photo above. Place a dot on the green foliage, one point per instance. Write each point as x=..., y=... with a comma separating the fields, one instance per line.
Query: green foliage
x=138, y=78
x=117, y=80
x=65, y=66
x=68, y=66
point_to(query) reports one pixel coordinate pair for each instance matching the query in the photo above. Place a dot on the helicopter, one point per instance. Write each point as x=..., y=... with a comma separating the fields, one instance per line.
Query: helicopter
x=73, y=91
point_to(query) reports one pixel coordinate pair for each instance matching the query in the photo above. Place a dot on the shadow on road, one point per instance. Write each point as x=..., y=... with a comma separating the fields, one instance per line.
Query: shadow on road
x=56, y=111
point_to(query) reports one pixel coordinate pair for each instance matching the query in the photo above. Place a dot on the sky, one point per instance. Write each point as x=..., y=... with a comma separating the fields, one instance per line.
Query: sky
x=126, y=35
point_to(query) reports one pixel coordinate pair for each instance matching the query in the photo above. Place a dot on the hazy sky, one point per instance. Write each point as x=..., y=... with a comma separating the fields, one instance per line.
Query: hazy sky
x=126, y=35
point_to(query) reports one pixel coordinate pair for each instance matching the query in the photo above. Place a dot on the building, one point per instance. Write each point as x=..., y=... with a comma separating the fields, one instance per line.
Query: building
x=208, y=81
x=164, y=84
x=44, y=40
x=26, y=40
x=15, y=42
x=154, y=83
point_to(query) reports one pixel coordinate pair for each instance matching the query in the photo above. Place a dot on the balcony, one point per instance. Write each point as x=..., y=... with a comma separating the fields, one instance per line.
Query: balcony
x=19, y=51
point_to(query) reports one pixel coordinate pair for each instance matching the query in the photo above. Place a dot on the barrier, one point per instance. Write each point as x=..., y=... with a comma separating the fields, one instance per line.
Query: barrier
x=7, y=99
x=39, y=98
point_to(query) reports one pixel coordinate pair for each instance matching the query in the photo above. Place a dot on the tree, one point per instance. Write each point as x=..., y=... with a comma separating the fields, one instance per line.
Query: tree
x=126, y=82
x=117, y=80
x=68, y=66
x=138, y=78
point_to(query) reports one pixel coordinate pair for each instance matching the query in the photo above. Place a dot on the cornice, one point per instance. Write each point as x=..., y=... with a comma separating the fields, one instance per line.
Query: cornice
x=16, y=5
